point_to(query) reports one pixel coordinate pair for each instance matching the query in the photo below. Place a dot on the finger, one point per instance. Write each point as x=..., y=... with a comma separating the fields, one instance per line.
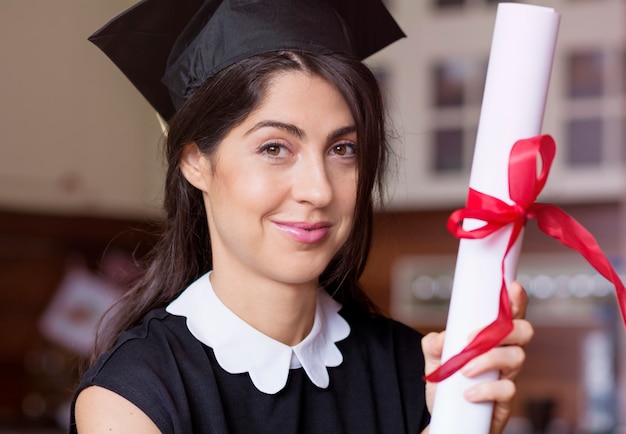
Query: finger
x=500, y=391
x=432, y=347
x=501, y=415
x=507, y=360
x=521, y=335
x=519, y=300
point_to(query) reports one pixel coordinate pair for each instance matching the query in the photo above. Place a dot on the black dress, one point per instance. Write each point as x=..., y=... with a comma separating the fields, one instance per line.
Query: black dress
x=175, y=379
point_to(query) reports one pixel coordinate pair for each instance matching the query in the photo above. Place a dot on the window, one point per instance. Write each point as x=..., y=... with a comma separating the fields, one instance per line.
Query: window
x=585, y=140
x=448, y=150
x=457, y=86
x=450, y=78
x=585, y=74
x=596, y=84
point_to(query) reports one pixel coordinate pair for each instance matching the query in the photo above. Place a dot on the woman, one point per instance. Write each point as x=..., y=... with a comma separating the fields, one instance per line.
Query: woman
x=249, y=317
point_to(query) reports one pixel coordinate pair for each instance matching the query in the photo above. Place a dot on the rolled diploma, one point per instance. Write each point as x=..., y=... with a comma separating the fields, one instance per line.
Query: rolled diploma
x=520, y=63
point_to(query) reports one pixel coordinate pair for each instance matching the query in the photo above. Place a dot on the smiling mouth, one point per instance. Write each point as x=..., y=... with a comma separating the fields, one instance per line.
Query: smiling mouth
x=304, y=232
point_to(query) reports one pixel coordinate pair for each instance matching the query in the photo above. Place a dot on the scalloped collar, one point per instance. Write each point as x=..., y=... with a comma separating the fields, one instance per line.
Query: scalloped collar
x=241, y=348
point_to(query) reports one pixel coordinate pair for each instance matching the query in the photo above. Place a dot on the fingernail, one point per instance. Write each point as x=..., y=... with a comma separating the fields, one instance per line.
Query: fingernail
x=469, y=369
x=470, y=395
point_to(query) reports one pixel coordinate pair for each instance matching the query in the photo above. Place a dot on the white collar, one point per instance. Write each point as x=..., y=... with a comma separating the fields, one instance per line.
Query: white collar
x=241, y=348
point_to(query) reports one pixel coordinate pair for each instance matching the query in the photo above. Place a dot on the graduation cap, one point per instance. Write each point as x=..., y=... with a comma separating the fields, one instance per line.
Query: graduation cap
x=167, y=48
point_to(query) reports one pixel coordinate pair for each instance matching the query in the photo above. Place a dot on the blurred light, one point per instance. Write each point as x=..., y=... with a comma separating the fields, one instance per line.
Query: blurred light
x=542, y=287
x=444, y=287
x=423, y=288
x=581, y=286
x=561, y=283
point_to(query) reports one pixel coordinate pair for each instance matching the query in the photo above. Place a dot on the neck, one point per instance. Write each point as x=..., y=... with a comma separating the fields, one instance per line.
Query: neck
x=284, y=312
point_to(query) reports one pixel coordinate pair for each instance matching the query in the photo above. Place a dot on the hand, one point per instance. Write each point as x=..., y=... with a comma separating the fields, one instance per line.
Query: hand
x=507, y=358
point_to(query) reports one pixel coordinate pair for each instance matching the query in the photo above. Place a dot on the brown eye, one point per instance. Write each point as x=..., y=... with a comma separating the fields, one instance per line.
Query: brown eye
x=341, y=149
x=273, y=150
x=347, y=150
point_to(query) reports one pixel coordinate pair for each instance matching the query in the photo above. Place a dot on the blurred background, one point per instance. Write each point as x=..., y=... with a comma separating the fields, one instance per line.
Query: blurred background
x=81, y=175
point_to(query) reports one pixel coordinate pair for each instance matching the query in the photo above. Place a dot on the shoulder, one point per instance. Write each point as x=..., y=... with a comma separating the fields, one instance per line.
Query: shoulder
x=141, y=369
x=156, y=340
x=158, y=327
x=101, y=410
x=149, y=349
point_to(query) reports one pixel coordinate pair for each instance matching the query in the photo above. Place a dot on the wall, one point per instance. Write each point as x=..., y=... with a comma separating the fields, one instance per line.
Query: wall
x=75, y=136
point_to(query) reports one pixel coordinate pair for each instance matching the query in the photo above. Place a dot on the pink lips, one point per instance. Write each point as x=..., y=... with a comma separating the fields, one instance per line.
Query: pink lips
x=307, y=233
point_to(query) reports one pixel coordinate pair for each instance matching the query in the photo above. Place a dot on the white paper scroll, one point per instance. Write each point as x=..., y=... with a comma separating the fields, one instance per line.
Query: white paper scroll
x=513, y=105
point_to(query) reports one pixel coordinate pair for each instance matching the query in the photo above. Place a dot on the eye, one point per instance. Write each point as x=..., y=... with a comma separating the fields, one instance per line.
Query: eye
x=273, y=150
x=344, y=149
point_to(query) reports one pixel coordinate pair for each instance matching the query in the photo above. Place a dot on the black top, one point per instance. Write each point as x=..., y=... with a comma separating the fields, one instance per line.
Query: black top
x=177, y=382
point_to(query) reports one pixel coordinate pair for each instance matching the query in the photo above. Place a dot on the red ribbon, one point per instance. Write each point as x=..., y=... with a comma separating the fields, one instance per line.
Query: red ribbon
x=524, y=187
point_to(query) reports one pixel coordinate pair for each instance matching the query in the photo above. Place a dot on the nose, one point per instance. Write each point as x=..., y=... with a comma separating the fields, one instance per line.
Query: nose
x=313, y=182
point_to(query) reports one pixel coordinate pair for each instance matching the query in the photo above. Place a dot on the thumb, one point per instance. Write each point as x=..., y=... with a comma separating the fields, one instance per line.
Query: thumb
x=519, y=300
x=432, y=346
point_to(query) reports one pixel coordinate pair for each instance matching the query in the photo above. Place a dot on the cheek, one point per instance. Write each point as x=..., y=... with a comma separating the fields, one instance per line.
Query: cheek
x=346, y=198
x=258, y=187
x=349, y=192
x=248, y=194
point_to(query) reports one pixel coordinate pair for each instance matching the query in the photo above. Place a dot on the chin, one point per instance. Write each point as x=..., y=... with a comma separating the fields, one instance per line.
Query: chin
x=291, y=277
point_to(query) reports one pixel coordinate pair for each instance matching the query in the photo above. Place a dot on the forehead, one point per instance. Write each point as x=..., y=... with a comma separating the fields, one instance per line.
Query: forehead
x=302, y=93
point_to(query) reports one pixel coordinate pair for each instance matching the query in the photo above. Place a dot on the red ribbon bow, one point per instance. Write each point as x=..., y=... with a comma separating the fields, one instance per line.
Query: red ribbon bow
x=524, y=187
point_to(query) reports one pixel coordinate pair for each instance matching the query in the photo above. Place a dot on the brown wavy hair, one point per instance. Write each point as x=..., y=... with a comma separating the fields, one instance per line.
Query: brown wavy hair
x=183, y=250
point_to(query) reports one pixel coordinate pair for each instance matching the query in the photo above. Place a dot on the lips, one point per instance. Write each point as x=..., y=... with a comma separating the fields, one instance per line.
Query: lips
x=307, y=233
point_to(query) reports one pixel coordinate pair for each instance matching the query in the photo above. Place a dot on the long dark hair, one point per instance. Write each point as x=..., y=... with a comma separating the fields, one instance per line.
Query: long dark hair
x=183, y=252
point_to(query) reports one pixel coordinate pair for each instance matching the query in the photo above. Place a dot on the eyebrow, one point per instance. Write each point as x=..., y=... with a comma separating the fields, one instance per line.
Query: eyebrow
x=342, y=132
x=297, y=132
x=291, y=129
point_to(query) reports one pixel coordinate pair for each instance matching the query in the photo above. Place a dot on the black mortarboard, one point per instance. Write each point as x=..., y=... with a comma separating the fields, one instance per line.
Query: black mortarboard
x=167, y=48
